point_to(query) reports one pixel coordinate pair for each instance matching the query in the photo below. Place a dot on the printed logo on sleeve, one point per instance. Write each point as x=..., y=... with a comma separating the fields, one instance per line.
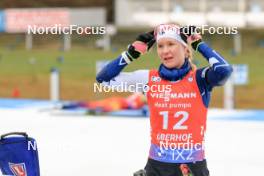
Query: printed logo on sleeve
x=155, y=79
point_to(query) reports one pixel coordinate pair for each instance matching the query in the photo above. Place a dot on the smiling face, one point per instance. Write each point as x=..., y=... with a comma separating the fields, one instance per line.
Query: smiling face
x=171, y=52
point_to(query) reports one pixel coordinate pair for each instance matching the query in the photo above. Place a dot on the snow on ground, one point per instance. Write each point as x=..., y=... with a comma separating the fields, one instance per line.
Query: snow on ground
x=115, y=146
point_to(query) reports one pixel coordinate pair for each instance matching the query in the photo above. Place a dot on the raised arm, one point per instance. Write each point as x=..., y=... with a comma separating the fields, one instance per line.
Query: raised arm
x=140, y=46
x=219, y=70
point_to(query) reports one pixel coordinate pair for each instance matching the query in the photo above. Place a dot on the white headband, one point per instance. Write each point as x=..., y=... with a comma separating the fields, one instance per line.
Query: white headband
x=169, y=31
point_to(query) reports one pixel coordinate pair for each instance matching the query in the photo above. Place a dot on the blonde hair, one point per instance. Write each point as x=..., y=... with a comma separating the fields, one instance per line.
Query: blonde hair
x=189, y=48
x=190, y=56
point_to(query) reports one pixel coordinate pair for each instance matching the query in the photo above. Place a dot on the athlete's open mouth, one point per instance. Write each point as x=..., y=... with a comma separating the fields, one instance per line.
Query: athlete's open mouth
x=168, y=58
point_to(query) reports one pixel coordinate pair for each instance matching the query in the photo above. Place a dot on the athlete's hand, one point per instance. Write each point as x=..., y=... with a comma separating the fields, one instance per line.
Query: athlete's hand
x=142, y=44
x=190, y=35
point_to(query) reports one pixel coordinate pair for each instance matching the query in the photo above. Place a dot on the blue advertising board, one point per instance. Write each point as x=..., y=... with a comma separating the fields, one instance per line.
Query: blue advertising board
x=2, y=21
x=240, y=74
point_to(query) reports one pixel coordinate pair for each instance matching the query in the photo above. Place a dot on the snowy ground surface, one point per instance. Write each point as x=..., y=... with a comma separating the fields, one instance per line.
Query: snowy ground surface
x=114, y=146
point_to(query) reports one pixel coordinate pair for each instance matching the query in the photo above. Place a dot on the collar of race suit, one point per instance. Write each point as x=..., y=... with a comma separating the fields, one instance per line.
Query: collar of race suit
x=174, y=74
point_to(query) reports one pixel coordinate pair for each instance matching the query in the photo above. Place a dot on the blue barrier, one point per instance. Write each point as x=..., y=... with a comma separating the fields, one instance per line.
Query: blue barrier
x=22, y=103
x=244, y=115
x=214, y=114
x=2, y=21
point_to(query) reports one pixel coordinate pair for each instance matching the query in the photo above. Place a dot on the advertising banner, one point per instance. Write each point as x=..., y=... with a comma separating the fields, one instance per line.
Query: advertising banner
x=21, y=20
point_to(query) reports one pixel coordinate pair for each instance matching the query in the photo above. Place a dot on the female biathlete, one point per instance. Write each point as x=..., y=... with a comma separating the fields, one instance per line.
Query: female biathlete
x=178, y=96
